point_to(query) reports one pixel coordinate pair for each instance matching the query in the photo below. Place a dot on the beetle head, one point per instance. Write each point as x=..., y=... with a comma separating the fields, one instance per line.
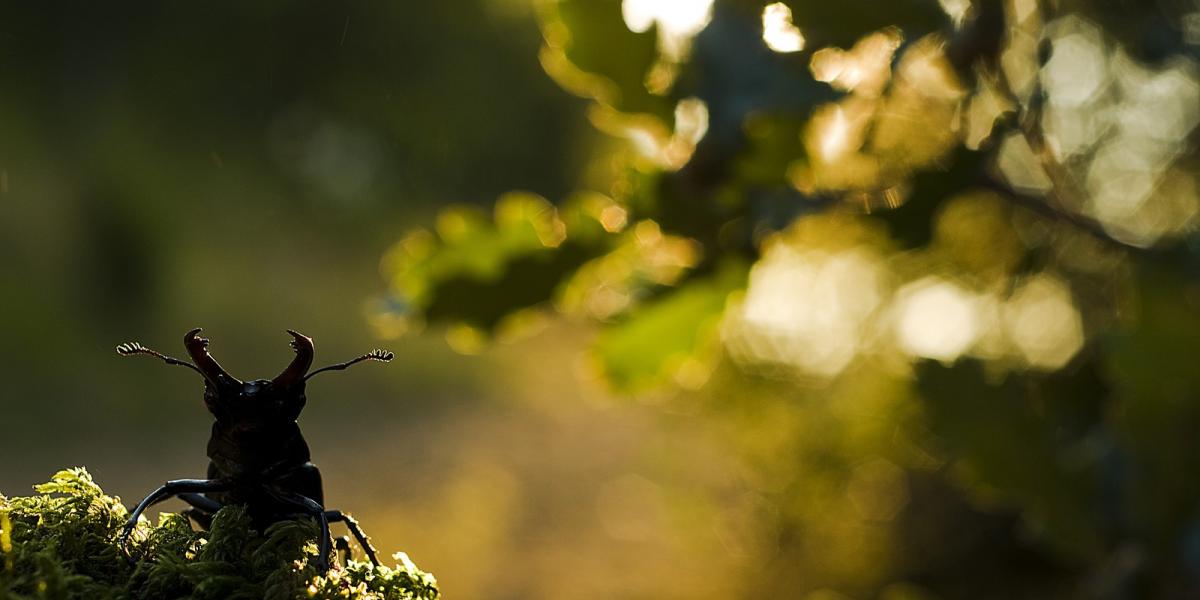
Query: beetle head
x=256, y=404
x=259, y=402
x=294, y=374
x=214, y=374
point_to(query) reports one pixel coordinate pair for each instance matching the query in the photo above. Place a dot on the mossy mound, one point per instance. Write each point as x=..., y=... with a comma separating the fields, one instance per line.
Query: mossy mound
x=61, y=544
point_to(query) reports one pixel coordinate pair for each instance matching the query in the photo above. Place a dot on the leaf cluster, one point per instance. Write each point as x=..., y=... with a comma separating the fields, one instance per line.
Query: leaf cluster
x=920, y=207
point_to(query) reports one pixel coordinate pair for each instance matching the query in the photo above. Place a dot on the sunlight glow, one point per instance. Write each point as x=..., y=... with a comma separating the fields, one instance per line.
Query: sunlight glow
x=613, y=218
x=807, y=308
x=956, y=10
x=1077, y=69
x=1160, y=104
x=1119, y=127
x=668, y=150
x=639, y=15
x=691, y=121
x=778, y=31
x=865, y=69
x=1020, y=59
x=834, y=140
x=1120, y=178
x=1072, y=131
x=678, y=21
x=938, y=319
x=895, y=121
x=1020, y=167
x=1042, y=322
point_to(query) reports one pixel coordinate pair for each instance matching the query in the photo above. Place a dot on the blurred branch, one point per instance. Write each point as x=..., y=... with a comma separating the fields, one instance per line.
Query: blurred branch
x=1040, y=206
x=980, y=43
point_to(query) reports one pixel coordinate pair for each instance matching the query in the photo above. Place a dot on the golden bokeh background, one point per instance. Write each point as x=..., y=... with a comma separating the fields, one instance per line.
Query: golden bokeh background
x=689, y=298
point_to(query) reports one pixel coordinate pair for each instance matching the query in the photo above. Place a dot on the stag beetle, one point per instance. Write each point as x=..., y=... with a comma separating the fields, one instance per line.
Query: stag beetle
x=258, y=458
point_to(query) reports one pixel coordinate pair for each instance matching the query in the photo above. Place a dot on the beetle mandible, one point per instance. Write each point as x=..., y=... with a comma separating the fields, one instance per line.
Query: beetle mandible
x=257, y=456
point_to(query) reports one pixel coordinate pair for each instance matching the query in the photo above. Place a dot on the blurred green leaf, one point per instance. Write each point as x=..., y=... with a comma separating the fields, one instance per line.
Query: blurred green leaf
x=674, y=337
x=477, y=272
x=591, y=52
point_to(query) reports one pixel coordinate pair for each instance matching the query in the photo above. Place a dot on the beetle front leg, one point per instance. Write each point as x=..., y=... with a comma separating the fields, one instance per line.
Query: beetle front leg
x=168, y=490
x=342, y=547
x=202, y=508
x=313, y=509
x=201, y=502
x=335, y=516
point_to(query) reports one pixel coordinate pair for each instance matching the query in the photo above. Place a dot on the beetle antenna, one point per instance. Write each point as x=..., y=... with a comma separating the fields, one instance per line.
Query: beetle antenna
x=132, y=348
x=376, y=354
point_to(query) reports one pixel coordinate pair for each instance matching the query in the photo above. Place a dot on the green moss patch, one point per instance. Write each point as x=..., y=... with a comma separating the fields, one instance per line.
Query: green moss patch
x=62, y=544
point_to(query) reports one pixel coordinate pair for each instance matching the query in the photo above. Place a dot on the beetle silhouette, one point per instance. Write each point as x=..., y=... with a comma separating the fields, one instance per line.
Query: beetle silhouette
x=257, y=455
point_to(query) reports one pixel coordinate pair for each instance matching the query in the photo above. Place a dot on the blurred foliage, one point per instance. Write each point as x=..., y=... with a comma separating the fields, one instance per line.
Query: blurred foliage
x=62, y=543
x=931, y=266
x=903, y=293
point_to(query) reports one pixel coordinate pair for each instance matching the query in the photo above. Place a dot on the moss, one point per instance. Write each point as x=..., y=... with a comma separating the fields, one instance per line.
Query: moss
x=61, y=544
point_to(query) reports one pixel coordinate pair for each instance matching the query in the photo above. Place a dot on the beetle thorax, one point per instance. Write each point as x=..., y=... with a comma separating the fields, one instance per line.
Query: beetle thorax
x=256, y=425
x=255, y=405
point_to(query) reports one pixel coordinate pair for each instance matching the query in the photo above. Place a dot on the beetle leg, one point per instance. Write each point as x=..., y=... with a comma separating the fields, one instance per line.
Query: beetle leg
x=202, y=508
x=314, y=509
x=342, y=546
x=201, y=502
x=169, y=489
x=335, y=516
